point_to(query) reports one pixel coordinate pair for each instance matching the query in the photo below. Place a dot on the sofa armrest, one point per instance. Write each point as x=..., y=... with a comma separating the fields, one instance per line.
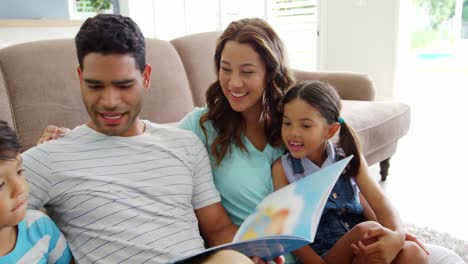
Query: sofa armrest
x=350, y=86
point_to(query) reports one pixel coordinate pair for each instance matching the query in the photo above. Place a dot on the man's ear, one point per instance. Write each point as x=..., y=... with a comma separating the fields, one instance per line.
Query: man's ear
x=333, y=129
x=80, y=74
x=147, y=75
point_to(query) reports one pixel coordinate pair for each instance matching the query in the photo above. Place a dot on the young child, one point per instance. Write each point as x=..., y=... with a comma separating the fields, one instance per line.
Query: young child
x=311, y=117
x=26, y=236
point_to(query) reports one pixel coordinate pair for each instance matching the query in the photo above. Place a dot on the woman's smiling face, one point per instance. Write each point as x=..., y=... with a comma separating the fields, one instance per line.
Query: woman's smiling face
x=242, y=76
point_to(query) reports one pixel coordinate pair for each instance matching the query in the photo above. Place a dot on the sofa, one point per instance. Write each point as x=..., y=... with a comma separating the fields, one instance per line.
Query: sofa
x=39, y=86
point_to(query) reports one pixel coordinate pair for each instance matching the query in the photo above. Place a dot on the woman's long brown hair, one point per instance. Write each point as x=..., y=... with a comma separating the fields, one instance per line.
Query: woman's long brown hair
x=228, y=123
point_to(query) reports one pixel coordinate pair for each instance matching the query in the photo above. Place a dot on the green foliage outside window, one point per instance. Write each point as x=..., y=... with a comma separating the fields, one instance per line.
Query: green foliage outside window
x=87, y=6
x=432, y=26
x=465, y=11
x=99, y=5
x=439, y=10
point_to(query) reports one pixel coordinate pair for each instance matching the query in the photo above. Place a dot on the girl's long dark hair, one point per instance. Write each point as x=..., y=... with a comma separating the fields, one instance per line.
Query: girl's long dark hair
x=228, y=123
x=326, y=100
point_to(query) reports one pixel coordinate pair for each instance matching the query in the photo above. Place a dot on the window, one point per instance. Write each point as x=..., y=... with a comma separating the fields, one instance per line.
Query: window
x=465, y=19
x=296, y=21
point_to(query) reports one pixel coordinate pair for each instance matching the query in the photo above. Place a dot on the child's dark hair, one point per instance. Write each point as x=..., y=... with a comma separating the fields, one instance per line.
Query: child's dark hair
x=111, y=34
x=326, y=100
x=10, y=145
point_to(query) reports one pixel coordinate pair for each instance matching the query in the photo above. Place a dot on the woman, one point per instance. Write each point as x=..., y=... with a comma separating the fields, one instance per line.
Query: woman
x=240, y=125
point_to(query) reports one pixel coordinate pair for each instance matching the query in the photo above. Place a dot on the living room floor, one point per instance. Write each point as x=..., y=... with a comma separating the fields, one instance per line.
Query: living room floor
x=428, y=179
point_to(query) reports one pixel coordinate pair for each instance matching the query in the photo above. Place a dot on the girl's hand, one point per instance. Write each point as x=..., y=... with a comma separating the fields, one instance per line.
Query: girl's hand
x=362, y=259
x=411, y=237
x=278, y=260
x=384, y=250
x=51, y=133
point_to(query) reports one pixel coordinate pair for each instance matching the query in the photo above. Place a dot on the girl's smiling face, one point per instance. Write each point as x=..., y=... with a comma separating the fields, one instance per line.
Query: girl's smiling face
x=305, y=131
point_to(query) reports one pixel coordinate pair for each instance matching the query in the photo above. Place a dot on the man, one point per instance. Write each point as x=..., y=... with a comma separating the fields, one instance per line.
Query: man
x=125, y=190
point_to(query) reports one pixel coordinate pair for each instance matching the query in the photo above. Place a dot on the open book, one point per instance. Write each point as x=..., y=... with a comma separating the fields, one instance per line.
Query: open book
x=286, y=219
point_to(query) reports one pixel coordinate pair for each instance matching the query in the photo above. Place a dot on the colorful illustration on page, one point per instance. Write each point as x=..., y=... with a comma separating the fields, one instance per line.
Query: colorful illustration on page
x=276, y=216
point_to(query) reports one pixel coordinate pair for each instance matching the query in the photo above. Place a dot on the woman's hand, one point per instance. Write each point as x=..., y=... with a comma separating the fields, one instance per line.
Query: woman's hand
x=51, y=133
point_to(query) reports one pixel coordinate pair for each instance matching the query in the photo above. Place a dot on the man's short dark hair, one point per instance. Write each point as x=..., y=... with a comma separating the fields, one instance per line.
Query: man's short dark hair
x=10, y=145
x=111, y=34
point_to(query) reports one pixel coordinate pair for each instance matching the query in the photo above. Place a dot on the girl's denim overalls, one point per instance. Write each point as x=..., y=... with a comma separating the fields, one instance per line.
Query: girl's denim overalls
x=342, y=211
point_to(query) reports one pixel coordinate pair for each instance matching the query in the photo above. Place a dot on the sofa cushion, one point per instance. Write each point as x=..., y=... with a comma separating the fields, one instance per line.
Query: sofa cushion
x=197, y=53
x=30, y=70
x=377, y=123
x=169, y=98
x=350, y=86
x=5, y=105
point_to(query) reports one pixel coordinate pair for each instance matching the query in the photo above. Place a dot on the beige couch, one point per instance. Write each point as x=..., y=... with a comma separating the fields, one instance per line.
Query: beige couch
x=39, y=86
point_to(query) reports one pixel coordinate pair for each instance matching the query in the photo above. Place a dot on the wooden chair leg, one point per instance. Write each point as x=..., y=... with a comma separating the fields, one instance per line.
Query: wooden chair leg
x=384, y=165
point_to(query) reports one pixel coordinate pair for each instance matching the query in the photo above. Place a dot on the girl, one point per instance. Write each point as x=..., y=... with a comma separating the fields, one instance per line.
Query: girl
x=311, y=117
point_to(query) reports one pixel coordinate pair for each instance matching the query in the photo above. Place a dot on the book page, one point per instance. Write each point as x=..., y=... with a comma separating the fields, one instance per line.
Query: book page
x=294, y=210
x=285, y=220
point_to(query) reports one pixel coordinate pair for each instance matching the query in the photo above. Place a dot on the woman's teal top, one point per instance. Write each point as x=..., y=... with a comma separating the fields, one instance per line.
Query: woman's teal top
x=243, y=178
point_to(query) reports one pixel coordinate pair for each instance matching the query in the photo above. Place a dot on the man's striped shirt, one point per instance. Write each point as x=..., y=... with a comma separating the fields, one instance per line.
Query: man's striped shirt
x=124, y=199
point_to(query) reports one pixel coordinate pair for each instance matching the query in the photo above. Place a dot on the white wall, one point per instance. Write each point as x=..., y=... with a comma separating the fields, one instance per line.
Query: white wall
x=20, y=31
x=141, y=11
x=176, y=18
x=361, y=36
x=403, y=71
x=33, y=9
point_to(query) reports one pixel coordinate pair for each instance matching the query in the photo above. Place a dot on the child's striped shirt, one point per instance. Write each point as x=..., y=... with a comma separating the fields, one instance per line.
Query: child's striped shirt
x=39, y=241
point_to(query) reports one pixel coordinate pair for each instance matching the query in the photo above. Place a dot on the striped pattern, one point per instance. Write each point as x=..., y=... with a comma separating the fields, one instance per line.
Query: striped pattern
x=39, y=241
x=124, y=199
